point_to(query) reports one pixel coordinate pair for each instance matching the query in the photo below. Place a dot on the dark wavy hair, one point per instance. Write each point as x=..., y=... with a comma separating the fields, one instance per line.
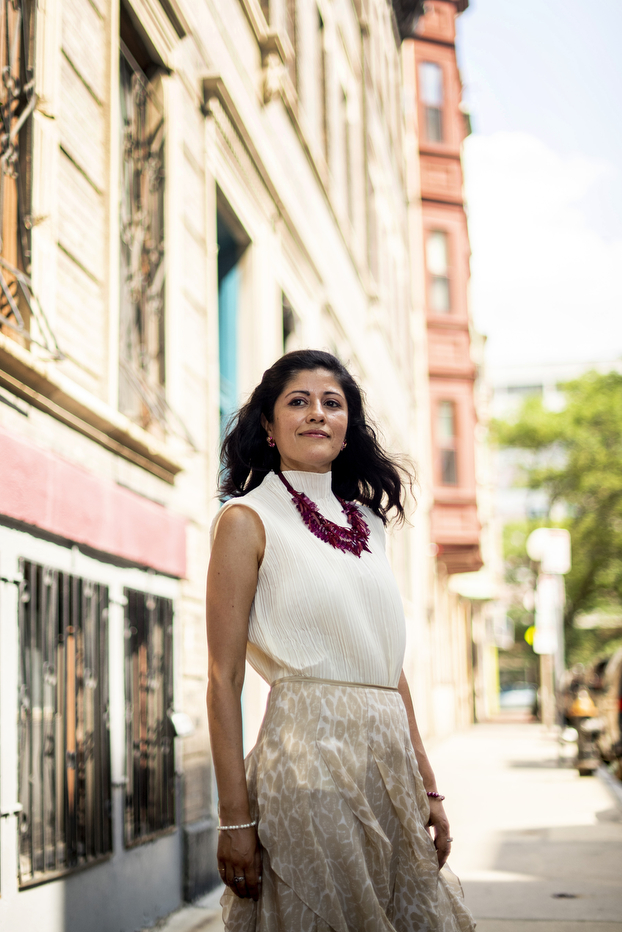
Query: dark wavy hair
x=363, y=472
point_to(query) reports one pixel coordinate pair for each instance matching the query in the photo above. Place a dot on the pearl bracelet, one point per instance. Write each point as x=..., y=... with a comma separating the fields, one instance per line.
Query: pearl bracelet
x=228, y=828
x=436, y=796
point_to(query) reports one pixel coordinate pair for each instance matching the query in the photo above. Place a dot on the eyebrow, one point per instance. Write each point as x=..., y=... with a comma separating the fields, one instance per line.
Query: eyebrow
x=305, y=391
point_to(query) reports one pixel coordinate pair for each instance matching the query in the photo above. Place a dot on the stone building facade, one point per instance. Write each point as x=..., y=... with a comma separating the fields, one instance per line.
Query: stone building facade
x=188, y=190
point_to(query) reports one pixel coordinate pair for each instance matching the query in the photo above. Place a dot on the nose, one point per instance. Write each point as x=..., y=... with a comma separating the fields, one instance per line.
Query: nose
x=315, y=412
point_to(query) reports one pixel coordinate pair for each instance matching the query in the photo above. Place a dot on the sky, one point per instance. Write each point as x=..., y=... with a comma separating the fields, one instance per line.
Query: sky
x=543, y=177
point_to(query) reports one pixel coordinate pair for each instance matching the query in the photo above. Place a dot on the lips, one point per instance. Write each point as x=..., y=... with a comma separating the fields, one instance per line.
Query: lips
x=314, y=433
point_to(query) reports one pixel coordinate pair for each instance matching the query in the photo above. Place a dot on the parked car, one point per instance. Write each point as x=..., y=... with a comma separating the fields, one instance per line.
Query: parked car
x=605, y=685
x=519, y=696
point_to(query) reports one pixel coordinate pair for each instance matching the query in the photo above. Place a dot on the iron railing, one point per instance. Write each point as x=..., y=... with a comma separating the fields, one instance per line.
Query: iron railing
x=150, y=790
x=64, y=743
x=19, y=308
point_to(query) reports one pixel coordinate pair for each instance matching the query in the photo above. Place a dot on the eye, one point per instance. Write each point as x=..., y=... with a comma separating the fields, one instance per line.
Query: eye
x=333, y=403
x=296, y=402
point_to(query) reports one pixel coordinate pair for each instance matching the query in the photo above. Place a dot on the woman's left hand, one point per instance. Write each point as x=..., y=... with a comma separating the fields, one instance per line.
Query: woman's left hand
x=439, y=823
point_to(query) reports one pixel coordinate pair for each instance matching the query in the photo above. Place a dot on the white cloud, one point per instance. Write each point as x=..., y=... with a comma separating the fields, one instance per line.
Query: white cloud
x=545, y=287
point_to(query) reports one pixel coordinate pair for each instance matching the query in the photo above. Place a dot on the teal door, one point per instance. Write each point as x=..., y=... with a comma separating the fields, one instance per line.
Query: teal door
x=228, y=300
x=229, y=278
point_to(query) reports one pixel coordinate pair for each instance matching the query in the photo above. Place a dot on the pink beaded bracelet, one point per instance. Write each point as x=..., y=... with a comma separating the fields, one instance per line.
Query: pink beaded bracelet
x=436, y=796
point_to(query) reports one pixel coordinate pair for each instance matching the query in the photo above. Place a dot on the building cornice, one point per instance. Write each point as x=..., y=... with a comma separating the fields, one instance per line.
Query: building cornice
x=430, y=40
x=451, y=202
x=453, y=155
x=447, y=322
x=452, y=374
x=407, y=14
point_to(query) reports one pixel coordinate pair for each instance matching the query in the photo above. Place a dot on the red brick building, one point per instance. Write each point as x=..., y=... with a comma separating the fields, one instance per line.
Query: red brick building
x=455, y=527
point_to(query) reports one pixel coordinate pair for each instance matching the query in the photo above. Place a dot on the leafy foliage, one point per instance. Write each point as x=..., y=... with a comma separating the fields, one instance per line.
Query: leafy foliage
x=578, y=462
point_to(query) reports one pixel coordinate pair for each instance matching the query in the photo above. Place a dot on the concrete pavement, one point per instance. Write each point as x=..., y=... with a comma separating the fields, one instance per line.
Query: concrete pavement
x=538, y=848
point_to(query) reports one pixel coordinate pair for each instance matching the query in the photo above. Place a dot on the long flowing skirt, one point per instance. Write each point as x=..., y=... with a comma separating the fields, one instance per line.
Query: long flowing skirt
x=334, y=783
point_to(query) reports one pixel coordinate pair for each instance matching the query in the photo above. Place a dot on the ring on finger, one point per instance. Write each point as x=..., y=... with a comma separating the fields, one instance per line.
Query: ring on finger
x=449, y=839
x=239, y=879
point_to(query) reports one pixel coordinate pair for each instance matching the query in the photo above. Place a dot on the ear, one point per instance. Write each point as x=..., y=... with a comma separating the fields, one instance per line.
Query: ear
x=265, y=425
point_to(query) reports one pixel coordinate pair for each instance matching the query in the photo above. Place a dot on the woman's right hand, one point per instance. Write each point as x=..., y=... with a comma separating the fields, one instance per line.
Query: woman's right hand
x=239, y=856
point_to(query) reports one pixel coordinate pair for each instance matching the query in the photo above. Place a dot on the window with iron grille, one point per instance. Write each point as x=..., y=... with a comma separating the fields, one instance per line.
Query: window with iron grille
x=347, y=157
x=17, y=104
x=150, y=790
x=322, y=87
x=64, y=741
x=142, y=306
x=291, y=29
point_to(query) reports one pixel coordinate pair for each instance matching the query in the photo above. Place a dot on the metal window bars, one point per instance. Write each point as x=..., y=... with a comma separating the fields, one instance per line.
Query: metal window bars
x=143, y=267
x=64, y=743
x=19, y=308
x=150, y=788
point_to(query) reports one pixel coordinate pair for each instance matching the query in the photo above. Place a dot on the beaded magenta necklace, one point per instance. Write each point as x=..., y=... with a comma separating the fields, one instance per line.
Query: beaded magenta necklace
x=351, y=539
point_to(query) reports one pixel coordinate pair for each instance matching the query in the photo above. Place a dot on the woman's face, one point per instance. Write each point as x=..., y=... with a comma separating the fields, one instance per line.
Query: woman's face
x=310, y=421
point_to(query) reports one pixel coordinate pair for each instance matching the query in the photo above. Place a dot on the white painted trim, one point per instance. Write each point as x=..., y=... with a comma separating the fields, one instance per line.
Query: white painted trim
x=9, y=665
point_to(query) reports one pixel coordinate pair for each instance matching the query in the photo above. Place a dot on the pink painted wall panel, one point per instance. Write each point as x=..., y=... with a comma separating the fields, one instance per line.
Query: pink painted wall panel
x=40, y=488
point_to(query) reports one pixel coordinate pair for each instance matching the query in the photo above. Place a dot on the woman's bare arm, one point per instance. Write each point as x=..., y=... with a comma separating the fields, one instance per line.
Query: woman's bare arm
x=438, y=819
x=231, y=583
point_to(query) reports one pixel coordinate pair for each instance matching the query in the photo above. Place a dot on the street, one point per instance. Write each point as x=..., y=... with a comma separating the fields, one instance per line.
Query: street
x=538, y=848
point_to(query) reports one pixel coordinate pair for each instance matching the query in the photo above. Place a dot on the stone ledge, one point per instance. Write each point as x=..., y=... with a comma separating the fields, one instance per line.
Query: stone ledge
x=40, y=383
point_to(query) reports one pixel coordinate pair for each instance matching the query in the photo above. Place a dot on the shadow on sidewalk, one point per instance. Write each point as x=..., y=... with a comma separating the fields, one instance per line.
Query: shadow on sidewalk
x=563, y=873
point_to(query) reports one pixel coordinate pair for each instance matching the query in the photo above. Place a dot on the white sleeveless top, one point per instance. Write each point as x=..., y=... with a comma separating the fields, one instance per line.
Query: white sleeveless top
x=318, y=611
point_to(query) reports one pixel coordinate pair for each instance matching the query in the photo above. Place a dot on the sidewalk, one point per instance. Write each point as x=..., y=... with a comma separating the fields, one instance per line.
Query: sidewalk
x=202, y=916
x=538, y=848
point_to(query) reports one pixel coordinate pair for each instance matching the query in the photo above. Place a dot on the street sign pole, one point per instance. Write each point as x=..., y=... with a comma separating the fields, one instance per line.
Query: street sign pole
x=550, y=547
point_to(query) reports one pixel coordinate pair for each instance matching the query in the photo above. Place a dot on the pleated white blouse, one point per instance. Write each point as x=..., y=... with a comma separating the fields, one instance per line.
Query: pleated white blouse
x=317, y=611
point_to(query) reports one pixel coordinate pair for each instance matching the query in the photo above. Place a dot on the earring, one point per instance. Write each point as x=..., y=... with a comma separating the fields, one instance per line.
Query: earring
x=344, y=445
x=270, y=441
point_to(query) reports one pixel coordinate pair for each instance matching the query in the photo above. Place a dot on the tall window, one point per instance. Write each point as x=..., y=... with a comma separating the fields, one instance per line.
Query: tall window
x=431, y=91
x=347, y=157
x=322, y=87
x=372, y=230
x=437, y=262
x=289, y=323
x=291, y=28
x=142, y=364
x=17, y=104
x=446, y=430
x=150, y=792
x=64, y=756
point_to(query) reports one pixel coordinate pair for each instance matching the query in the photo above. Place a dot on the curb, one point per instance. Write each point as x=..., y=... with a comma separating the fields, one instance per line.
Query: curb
x=614, y=786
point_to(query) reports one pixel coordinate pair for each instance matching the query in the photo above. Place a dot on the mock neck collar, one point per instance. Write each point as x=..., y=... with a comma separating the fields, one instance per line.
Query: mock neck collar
x=315, y=485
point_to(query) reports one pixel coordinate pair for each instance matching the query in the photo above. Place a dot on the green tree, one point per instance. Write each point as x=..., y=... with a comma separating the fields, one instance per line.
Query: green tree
x=576, y=457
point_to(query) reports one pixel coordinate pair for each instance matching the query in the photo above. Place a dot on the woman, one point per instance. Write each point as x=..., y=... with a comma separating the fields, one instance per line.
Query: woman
x=324, y=829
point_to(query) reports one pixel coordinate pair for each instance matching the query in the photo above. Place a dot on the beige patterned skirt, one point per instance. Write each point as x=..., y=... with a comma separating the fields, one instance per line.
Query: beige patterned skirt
x=334, y=783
